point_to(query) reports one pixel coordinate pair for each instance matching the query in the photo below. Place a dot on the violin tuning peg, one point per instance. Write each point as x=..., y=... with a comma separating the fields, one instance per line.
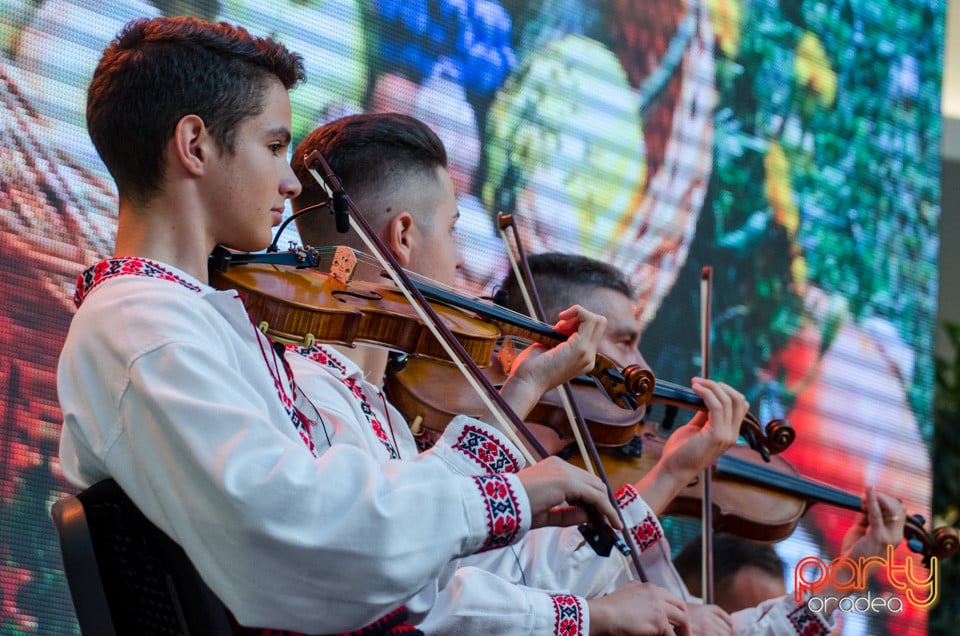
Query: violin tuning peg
x=915, y=545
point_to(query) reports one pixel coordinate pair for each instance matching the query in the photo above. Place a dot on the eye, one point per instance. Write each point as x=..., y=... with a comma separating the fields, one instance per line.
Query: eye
x=277, y=147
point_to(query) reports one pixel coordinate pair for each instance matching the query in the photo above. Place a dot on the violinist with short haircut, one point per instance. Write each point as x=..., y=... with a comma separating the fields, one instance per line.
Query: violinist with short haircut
x=564, y=278
x=167, y=387
x=393, y=167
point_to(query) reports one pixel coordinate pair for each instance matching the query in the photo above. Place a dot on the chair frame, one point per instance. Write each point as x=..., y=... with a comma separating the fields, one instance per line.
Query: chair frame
x=126, y=576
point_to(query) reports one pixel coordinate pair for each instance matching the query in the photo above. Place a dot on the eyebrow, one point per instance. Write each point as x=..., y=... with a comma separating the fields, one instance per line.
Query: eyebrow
x=621, y=331
x=280, y=131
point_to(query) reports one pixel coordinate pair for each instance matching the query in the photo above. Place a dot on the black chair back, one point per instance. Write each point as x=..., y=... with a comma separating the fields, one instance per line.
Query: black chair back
x=126, y=576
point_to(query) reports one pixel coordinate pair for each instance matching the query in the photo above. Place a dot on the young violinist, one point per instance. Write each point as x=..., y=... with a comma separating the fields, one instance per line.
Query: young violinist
x=563, y=278
x=167, y=387
x=393, y=167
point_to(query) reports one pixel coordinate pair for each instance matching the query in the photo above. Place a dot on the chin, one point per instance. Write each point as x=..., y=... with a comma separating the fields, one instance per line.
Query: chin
x=250, y=244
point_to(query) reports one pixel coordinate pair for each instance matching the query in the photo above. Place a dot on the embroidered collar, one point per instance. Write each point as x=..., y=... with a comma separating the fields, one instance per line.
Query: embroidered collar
x=125, y=266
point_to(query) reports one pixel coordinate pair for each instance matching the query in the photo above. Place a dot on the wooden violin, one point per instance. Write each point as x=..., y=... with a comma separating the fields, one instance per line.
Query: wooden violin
x=310, y=295
x=425, y=389
x=313, y=294
x=757, y=500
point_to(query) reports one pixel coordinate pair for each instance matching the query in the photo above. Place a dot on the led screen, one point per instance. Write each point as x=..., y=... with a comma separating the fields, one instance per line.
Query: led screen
x=791, y=146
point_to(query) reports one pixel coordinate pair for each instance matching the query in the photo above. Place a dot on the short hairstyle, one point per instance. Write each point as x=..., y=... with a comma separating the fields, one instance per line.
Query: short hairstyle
x=562, y=280
x=377, y=156
x=157, y=71
x=730, y=554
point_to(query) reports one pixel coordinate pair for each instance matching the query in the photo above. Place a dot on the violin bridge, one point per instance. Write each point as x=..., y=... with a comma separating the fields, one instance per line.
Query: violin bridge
x=343, y=265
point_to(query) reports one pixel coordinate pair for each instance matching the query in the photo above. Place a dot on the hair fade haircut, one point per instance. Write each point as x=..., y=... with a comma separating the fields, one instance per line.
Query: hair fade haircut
x=562, y=280
x=373, y=154
x=157, y=71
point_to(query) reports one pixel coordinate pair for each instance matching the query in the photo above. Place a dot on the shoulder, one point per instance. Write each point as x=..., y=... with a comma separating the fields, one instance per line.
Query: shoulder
x=136, y=313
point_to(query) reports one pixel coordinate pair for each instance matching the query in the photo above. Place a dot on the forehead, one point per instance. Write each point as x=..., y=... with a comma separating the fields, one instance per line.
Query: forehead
x=620, y=311
x=275, y=112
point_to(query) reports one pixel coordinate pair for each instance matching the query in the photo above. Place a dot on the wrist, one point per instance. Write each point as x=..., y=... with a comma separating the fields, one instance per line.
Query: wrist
x=659, y=487
x=597, y=617
x=521, y=394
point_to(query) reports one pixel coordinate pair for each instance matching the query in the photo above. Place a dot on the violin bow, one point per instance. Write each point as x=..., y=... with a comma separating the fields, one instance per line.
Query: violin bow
x=600, y=535
x=343, y=205
x=706, y=502
x=588, y=450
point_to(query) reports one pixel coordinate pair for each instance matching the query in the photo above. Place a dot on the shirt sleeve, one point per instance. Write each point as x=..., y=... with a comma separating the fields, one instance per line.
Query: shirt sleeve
x=287, y=540
x=478, y=603
x=471, y=447
x=780, y=616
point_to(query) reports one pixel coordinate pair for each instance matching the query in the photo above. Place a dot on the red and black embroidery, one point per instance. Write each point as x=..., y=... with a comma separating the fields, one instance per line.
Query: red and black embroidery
x=503, y=511
x=806, y=623
x=326, y=359
x=486, y=450
x=303, y=424
x=568, y=615
x=320, y=355
x=372, y=420
x=129, y=266
x=647, y=532
x=626, y=496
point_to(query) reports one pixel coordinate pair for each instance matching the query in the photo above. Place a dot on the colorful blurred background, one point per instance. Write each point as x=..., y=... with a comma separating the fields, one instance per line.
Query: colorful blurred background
x=793, y=145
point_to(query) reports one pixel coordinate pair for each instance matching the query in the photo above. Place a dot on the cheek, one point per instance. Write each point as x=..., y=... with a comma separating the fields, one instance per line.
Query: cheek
x=610, y=350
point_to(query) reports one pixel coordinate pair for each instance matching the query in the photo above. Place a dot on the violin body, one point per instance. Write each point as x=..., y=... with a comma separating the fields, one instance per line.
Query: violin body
x=300, y=306
x=428, y=390
x=754, y=499
x=748, y=510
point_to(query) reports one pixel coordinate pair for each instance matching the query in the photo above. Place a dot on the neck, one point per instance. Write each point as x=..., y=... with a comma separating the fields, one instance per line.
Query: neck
x=165, y=230
x=372, y=360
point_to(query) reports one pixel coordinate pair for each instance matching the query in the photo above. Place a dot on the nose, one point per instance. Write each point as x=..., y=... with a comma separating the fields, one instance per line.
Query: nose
x=639, y=359
x=643, y=361
x=290, y=185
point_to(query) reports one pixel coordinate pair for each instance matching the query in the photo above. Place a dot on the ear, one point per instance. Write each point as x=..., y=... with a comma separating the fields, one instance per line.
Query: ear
x=398, y=235
x=190, y=144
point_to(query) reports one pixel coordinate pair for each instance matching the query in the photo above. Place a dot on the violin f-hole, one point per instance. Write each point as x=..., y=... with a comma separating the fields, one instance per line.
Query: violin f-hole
x=370, y=295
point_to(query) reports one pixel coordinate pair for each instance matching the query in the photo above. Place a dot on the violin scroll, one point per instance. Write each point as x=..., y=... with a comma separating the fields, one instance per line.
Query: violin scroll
x=941, y=543
x=779, y=435
x=635, y=386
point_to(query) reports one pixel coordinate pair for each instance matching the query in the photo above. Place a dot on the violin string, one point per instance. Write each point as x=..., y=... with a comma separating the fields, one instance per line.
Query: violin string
x=366, y=260
x=791, y=484
x=510, y=424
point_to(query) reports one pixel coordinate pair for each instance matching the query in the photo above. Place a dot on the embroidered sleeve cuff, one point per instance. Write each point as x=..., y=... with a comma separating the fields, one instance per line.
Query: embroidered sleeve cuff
x=502, y=510
x=644, y=525
x=570, y=615
x=806, y=622
x=471, y=447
